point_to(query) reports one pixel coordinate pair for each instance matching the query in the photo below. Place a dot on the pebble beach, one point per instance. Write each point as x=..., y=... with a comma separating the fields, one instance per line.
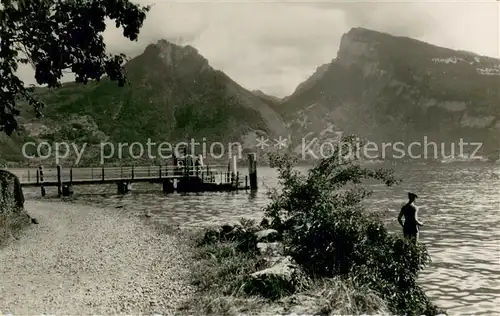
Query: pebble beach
x=81, y=259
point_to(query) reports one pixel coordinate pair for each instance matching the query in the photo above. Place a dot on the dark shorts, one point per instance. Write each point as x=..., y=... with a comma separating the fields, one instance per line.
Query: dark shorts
x=410, y=231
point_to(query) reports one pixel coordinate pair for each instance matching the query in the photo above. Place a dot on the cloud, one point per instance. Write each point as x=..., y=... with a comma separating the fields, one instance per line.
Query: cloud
x=399, y=18
x=274, y=46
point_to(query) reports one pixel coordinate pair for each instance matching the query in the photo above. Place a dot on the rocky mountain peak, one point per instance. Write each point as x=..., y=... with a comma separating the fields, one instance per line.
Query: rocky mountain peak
x=176, y=55
x=357, y=43
x=393, y=88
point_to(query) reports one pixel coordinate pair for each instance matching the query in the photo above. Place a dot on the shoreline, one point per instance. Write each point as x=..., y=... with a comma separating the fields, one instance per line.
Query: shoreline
x=126, y=214
x=85, y=259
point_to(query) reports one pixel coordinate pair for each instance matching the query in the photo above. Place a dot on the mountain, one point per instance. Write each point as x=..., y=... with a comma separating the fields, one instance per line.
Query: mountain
x=381, y=87
x=388, y=89
x=311, y=81
x=266, y=97
x=173, y=95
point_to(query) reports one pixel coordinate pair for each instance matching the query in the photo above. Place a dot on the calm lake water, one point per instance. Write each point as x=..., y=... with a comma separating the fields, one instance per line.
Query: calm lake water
x=459, y=204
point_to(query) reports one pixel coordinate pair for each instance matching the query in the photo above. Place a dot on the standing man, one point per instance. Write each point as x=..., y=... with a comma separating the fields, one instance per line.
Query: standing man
x=411, y=223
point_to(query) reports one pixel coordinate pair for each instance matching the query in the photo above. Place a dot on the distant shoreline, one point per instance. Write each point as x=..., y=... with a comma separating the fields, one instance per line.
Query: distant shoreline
x=243, y=163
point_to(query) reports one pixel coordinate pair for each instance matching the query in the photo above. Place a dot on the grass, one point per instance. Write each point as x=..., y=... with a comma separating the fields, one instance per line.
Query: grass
x=220, y=272
x=11, y=225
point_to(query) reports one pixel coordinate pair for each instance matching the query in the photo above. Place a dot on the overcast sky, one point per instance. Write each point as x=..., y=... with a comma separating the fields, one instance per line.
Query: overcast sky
x=275, y=45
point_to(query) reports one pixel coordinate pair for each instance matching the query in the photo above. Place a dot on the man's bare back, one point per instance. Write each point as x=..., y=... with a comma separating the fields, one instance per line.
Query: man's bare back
x=411, y=224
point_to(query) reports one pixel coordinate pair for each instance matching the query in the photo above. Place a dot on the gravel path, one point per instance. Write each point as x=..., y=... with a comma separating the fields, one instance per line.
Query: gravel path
x=84, y=260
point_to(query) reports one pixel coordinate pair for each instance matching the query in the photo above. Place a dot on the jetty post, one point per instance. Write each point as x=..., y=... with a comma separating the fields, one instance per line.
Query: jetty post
x=233, y=168
x=123, y=187
x=168, y=186
x=175, y=163
x=42, y=187
x=252, y=171
x=59, y=183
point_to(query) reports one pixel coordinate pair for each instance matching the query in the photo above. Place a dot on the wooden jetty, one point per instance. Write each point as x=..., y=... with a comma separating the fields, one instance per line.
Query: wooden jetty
x=174, y=178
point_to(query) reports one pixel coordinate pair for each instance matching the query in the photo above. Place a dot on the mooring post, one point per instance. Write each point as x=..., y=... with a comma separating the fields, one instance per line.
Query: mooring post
x=71, y=176
x=252, y=171
x=168, y=186
x=102, y=174
x=42, y=188
x=186, y=170
x=159, y=172
x=37, y=176
x=175, y=163
x=59, y=183
x=123, y=187
x=234, y=168
x=29, y=180
x=132, y=172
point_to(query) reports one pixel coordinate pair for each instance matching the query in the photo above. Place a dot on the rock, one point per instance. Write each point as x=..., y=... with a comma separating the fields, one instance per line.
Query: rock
x=270, y=248
x=13, y=216
x=211, y=236
x=267, y=235
x=34, y=221
x=283, y=278
x=226, y=229
x=246, y=239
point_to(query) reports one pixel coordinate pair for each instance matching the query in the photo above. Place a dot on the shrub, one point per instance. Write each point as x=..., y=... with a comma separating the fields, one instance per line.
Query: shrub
x=327, y=231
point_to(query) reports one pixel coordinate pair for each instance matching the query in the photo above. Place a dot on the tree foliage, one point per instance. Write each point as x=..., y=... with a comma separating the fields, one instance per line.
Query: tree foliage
x=328, y=232
x=58, y=36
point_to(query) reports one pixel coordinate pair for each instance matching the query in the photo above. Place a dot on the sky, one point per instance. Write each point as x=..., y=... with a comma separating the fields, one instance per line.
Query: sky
x=275, y=45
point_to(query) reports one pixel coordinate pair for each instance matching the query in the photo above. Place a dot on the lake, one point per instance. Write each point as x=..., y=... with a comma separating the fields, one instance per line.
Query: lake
x=459, y=204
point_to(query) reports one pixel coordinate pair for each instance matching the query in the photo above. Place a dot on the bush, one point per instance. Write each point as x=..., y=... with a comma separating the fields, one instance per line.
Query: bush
x=223, y=275
x=327, y=231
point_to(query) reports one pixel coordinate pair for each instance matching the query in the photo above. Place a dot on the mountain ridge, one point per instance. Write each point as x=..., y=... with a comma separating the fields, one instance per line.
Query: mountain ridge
x=381, y=86
x=393, y=88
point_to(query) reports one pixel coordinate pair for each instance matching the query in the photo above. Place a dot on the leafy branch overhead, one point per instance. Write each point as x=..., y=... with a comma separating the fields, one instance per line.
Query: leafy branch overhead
x=57, y=36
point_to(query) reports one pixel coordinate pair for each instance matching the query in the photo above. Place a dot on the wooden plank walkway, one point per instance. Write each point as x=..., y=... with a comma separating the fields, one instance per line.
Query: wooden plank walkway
x=187, y=177
x=30, y=177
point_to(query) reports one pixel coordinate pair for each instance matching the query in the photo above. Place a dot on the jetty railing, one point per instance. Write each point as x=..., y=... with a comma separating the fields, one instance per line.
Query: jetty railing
x=32, y=175
x=122, y=175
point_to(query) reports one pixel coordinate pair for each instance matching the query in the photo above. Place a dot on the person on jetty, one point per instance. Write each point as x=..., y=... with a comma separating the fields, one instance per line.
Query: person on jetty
x=411, y=223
